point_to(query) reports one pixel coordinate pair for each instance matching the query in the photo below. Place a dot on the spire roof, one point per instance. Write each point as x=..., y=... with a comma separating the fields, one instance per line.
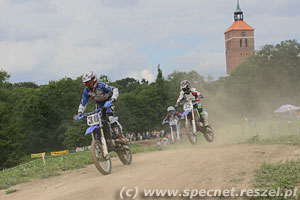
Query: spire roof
x=240, y=25
x=238, y=8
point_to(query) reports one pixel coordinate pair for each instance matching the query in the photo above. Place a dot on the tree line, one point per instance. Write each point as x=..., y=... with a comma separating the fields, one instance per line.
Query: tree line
x=36, y=118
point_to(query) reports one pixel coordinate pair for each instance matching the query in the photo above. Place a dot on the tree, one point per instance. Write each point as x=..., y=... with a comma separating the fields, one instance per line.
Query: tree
x=4, y=76
x=26, y=85
x=10, y=135
x=74, y=136
x=127, y=84
x=104, y=78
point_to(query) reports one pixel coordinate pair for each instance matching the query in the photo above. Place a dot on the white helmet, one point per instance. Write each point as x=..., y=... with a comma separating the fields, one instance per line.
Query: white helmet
x=185, y=86
x=193, y=90
x=88, y=76
x=170, y=109
x=89, y=79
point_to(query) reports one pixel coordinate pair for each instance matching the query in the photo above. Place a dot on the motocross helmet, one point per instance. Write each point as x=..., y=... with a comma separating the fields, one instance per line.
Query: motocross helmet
x=171, y=110
x=89, y=79
x=193, y=90
x=185, y=86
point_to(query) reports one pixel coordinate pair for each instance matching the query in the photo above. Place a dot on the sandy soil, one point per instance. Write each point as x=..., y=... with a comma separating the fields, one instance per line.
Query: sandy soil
x=191, y=167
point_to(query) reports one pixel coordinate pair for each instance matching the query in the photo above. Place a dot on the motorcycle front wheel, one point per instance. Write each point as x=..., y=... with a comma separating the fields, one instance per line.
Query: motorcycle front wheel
x=189, y=132
x=102, y=164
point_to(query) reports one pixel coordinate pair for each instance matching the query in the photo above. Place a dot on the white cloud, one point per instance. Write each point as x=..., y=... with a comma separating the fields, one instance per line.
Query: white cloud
x=203, y=62
x=24, y=56
x=139, y=75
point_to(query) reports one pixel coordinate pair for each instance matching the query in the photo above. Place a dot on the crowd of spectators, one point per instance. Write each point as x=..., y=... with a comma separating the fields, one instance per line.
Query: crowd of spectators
x=145, y=135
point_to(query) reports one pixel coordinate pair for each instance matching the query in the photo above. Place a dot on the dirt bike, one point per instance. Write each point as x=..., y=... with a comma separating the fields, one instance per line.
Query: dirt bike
x=174, y=127
x=102, y=131
x=193, y=124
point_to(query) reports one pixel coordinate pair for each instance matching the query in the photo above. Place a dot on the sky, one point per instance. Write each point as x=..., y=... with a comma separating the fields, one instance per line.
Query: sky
x=44, y=40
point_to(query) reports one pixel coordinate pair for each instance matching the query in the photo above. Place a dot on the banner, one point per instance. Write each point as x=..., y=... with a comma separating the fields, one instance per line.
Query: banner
x=57, y=153
x=37, y=155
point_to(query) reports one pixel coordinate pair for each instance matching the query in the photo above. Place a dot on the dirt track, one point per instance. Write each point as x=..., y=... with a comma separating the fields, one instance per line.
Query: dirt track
x=192, y=167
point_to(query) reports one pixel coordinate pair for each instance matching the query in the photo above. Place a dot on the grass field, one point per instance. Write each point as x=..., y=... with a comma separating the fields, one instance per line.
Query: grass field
x=279, y=175
x=54, y=166
x=283, y=175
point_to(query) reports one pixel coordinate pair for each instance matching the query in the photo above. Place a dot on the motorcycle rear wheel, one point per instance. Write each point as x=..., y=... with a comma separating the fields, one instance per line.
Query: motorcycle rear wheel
x=125, y=155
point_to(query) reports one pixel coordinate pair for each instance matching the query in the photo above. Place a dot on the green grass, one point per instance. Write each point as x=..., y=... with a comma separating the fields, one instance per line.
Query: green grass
x=280, y=139
x=246, y=132
x=284, y=175
x=54, y=166
x=136, y=148
x=279, y=175
x=270, y=132
x=270, y=176
x=11, y=191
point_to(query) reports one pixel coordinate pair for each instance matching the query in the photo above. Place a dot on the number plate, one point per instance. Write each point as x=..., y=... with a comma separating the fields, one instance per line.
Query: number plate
x=188, y=106
x=173, y=121
x=93, y=120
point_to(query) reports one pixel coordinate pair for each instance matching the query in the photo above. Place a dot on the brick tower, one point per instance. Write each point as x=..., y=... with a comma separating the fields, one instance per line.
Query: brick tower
x=239, y=41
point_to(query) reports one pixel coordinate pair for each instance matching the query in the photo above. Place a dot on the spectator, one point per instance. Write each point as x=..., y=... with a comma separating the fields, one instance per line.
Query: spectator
x=134, y=136
x=163, y=133
x=140, y=137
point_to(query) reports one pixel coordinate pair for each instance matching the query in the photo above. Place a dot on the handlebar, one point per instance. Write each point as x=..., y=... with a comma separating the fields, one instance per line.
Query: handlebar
x=87, y=114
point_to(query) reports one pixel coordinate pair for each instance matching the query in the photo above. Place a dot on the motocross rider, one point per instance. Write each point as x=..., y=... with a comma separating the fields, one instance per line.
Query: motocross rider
x=171, y=112
x=103, y=95
x=186, y=90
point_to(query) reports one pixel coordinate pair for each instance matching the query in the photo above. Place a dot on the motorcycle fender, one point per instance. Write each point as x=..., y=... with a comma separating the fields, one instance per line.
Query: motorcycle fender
x=186, y=112
x=91, y=129
x=113, y=119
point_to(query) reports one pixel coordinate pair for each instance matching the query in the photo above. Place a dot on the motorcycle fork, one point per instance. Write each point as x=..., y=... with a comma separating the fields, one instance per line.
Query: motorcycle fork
x=177, y=132
x=193, y=122
x=93, y=137
x=104, y=146
x=186, y=120
x=172, y=134
x=103, y=143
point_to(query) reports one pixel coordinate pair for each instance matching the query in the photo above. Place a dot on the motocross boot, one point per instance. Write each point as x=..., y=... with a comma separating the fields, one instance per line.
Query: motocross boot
x=117, y=133
x=203, y=120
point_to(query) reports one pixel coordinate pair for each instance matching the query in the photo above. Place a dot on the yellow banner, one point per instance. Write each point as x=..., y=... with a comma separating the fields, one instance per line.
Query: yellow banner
x=37, y=155
x=59, y=153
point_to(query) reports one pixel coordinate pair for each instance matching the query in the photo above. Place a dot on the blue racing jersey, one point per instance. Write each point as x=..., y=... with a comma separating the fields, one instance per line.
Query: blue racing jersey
x=100, y=94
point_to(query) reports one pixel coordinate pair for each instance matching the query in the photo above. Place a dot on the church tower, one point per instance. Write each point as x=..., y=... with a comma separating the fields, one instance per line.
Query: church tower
x=239, y=41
